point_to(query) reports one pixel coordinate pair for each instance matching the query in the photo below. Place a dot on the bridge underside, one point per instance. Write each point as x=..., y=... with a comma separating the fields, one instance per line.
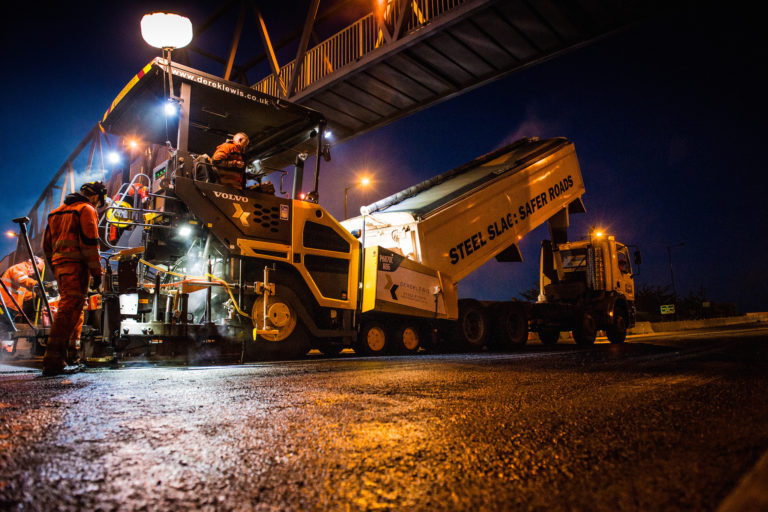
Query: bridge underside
x=390, y=63
x=465, y=48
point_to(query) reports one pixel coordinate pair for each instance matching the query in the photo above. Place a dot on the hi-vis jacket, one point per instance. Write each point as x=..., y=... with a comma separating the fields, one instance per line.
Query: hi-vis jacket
x=72, y=234
x=227, y=156
x=18, y=280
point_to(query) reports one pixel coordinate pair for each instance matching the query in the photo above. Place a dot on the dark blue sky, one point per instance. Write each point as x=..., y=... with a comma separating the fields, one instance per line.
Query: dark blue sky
x=666, y=118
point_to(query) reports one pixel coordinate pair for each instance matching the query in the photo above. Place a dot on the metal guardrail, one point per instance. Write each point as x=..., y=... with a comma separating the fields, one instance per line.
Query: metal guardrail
x=354, y=42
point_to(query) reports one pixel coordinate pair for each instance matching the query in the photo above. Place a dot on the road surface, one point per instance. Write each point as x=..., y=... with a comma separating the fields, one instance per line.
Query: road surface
x=673, y=422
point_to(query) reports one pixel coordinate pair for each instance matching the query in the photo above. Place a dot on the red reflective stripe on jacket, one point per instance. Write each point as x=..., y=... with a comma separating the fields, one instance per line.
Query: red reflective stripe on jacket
x=72, y=235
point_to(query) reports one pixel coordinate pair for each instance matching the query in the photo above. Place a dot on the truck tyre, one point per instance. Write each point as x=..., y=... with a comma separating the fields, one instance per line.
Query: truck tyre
x=408, y=338
x=374, y=340
x=586, y=332
x=549, y=336
x=291, y=339
x=473, y=325
x=293, y=347
x=617, y=331
x=511, y=326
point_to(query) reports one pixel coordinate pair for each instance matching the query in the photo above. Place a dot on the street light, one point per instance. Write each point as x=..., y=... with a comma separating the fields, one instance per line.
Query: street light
x=364, y=182
x=671, y=272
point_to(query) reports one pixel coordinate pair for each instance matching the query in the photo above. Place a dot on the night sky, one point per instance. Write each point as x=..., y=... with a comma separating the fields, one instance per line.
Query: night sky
x=666, y=118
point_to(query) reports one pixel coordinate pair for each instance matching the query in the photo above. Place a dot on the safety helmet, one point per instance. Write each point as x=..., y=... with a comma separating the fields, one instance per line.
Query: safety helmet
x=95, y=188
x=240, y=136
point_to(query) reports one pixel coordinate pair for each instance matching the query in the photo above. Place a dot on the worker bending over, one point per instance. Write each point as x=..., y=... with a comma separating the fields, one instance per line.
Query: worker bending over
x=71, y=244
x=19, y=279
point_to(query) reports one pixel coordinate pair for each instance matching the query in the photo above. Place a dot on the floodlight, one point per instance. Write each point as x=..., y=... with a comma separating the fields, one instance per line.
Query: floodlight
x=113, y=157
x=166, y=30
x=185, y=231
x=170, y=108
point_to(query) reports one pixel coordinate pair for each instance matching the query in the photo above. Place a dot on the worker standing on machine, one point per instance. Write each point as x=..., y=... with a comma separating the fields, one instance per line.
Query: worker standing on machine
x=71, y=244
x=229, y=160
x=119, y=215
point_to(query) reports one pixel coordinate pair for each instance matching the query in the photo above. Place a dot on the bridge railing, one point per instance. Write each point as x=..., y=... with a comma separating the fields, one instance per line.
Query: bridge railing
x=352, y=43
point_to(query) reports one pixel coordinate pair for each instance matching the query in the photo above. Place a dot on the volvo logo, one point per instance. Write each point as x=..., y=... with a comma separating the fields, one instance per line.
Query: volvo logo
x=231, y=197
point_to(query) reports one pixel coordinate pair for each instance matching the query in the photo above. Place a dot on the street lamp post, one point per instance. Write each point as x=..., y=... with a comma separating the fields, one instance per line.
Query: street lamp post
x=672, y=273
x=364, y=182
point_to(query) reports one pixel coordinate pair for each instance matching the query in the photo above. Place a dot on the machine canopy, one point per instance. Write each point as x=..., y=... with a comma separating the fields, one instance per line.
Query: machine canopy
x=218, y=109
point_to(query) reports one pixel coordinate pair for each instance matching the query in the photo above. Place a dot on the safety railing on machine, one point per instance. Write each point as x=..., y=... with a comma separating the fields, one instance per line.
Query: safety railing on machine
x=121, y=215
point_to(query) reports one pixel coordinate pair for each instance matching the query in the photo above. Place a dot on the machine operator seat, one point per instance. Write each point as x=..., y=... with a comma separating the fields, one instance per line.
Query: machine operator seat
x=203, y=169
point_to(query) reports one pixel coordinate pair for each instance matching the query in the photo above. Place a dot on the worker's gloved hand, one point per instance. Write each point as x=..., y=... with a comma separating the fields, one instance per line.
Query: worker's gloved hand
x=96, y=283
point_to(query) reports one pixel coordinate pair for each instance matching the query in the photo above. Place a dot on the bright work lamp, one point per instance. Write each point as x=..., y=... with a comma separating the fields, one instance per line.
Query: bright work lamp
x=166, y=30
x=169, y=32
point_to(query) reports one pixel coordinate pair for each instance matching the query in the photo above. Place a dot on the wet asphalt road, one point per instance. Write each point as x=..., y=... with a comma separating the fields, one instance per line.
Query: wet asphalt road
x=660, y=423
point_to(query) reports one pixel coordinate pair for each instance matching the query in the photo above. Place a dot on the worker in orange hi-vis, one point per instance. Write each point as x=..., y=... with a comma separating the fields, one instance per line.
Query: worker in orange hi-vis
x=229, y=160
x=137, y=196
x=19, y=279
x=71, y=244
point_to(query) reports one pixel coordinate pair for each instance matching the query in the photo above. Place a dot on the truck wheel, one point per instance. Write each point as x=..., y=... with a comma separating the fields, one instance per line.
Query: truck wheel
x=586, y=332
x=408, y=338
x=293, y=347
x=617, y=331
x=511, y=326
x=373, y=340
x=549, y=336
x=291, y=339
x=473, y=324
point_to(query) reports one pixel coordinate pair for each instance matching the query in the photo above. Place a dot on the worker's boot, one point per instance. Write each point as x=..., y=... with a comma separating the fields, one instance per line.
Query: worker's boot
x=73, y=354
x=54, y=361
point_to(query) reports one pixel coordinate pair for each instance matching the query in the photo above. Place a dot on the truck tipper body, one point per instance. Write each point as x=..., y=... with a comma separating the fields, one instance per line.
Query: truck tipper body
x=457, y=221
x=206, y=270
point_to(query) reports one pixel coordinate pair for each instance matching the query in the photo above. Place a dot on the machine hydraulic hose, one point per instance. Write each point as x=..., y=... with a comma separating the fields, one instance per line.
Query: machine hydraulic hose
x=207, y=279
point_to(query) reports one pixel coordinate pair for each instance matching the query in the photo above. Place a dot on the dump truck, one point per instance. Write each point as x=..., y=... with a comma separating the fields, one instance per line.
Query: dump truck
x=201, y=270
x=454, y=223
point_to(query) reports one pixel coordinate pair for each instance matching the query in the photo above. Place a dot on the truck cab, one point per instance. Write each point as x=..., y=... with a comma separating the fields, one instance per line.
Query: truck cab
x=593, y=278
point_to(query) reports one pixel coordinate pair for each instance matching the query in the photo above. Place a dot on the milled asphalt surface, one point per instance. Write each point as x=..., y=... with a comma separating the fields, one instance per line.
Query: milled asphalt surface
x=660, y=423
